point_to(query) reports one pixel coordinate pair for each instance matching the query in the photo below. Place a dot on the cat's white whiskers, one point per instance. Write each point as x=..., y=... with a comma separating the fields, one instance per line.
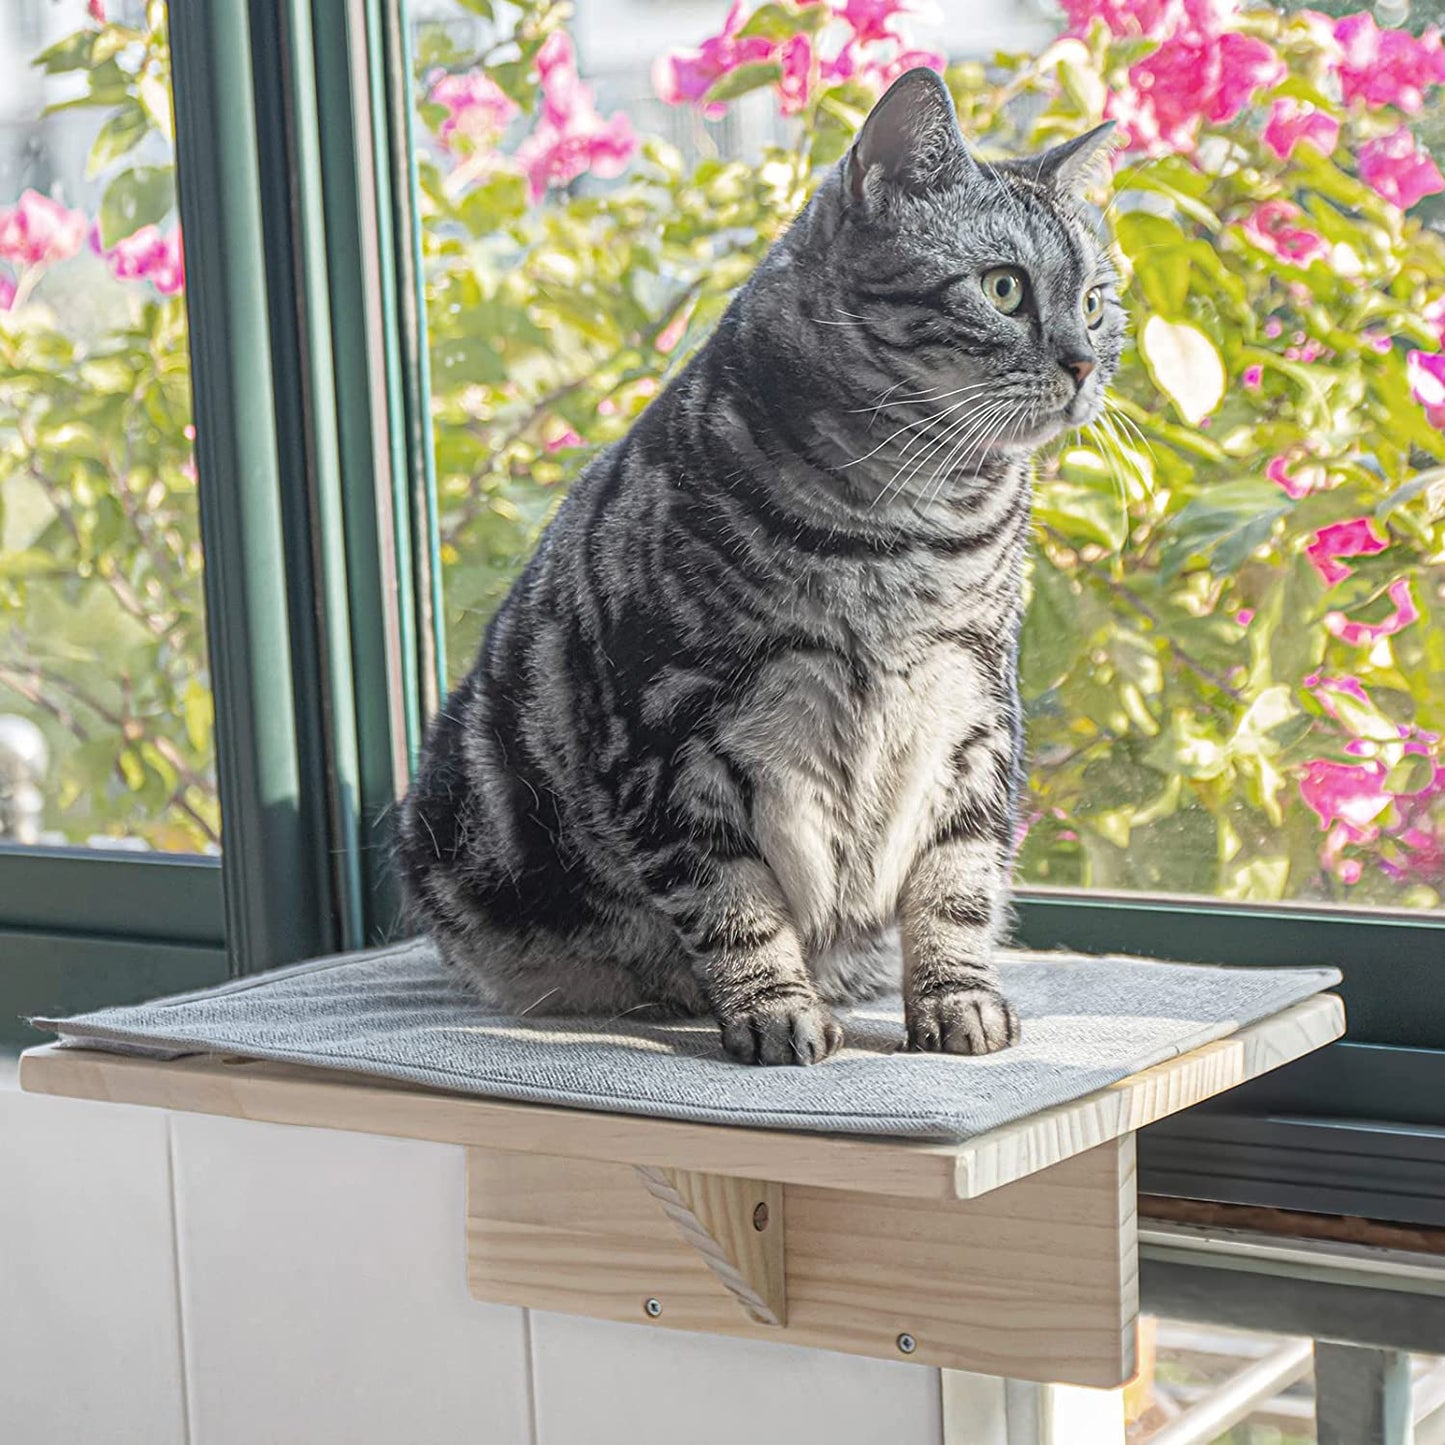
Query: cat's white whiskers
x=924, y=422
x=973, y=423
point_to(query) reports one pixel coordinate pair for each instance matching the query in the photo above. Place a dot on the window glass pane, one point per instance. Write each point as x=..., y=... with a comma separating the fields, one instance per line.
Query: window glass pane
x=1234, y=662
x=1265, y=1383
x=106, y=733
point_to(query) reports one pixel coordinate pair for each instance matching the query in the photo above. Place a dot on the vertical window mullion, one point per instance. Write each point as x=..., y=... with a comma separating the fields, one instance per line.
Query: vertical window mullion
x=274, y=839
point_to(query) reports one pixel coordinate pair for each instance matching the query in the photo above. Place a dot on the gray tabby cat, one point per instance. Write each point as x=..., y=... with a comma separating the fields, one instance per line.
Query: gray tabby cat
x=752, y=705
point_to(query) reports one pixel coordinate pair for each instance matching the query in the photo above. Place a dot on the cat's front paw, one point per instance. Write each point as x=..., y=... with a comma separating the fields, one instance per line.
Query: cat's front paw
x=962, y=1021
x=782, y=1030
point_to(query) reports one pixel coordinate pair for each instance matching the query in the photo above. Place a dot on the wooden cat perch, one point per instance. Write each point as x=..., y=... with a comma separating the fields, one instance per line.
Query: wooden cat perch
x=1011, y=1254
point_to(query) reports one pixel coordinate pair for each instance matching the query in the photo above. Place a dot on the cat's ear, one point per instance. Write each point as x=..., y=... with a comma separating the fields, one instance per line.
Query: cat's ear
x=1070, y=165
x=910, y=140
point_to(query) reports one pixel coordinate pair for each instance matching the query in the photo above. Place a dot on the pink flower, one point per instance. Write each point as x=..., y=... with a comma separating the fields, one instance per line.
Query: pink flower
x=1387, y=67
x=872, y=20
x=1348, y=793
x=882, y=73
x=1196, y=74
x=1426, y=371
x=1245, y=66
x=1291, y=121
x=1271, y=226
x=1244, y=616
x=570, y=138
x=796, y=58
x=1253, y=378
x=1273, y=327
x=478, y=110
x=688, y=75
x=37, y=231
x=1398, y=170
x=96, y=10
x=1364, y=634
x=1349, y=870
x=1357, y=538
x=147, y=255
x=1298, y=480
x=671, y=334
x=564, y=438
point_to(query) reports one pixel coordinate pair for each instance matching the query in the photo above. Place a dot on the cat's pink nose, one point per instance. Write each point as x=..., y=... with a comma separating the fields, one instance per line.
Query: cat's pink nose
x=1079, y=367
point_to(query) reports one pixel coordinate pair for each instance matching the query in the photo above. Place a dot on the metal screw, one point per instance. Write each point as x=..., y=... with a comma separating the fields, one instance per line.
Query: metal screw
x=760, y=1217
x=907, y=1344
x=653, y=1307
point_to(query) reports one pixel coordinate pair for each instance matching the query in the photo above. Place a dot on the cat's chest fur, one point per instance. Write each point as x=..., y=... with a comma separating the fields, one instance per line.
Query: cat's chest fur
x=852, y=767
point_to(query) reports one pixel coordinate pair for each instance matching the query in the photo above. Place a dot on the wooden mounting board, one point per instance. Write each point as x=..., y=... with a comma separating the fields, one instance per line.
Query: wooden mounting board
x=322, y=1098
x=1037, y=1281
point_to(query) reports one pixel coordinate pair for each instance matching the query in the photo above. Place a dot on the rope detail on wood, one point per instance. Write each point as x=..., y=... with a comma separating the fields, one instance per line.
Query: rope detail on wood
x=703, y=1237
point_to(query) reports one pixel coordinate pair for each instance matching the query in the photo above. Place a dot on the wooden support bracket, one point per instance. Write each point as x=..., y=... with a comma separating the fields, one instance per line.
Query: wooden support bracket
x=736, y=1225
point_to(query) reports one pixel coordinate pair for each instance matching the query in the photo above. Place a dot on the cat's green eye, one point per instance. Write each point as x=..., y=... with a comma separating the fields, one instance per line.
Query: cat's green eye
x=1004, y=288
x=1093, y=305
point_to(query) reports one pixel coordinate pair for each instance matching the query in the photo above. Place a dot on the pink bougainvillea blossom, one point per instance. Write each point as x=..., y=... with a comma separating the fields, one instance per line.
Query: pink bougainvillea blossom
x=1366, y=634
x=570, y=138
x=150, y=255
x=1387, y=67
x=874, y=52
x=1273, y=227
x=1291, y=121
x=1397, y=169
x=478, y=110
x=1357, y=538
x=1296, y=475
x=7, y=292
x=1253, y=378
x=796, y=59
x=1426, y=371
x=1244, y=616
x=687, y=75
x=873, y=20
x=1349, y=793
x=96, y=10
x=564, y=439
x=37, y=231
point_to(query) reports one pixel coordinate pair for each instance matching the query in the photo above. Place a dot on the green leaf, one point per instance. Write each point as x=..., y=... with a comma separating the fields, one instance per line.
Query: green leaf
x=1225, y=524
x=1159, y=253
x=71, y=53
x=155, y=96
x=782, y=22
x=1051, y=641
x=135, y=198
x=1185, y=365
x=749, y=77
x=1412, y=774
x=1084, y=512
x=1430, y=484
x=121, y=133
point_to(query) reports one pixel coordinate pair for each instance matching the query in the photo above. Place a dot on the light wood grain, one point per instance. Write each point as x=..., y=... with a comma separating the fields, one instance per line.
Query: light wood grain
x=1037, y=1281
x=289, y=1094
x=736, y=1226
x=1019, y=1149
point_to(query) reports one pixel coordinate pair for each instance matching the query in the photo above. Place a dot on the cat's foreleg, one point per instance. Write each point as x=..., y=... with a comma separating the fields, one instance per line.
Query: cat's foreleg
x=950, y=913
x=737, y=928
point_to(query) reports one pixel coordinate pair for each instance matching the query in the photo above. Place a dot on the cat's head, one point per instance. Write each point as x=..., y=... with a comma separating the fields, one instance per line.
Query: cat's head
x=988, y=282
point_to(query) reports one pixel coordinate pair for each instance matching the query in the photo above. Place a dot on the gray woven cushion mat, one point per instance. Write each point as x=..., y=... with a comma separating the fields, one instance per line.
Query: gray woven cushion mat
x=398, y=1013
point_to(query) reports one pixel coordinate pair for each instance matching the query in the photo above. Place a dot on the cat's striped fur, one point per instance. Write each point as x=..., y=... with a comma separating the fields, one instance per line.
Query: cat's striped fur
x=752, y=705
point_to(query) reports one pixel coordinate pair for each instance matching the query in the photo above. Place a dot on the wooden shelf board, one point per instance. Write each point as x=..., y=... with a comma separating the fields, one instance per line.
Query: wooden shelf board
x=323, y=1098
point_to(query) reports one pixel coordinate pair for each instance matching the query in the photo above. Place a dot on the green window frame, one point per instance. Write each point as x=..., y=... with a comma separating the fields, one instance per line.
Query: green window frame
x=294, y=158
